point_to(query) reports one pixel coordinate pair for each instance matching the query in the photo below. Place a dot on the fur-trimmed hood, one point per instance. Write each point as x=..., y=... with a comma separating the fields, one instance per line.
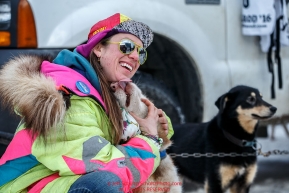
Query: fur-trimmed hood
x=29, y=85
x=33, y=95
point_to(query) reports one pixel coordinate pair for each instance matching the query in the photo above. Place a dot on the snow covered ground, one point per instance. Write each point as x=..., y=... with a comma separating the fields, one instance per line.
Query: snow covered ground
x=273, y=171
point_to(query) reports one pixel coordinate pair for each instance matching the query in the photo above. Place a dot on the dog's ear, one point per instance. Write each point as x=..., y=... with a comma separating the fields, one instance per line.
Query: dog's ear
x=221, y=102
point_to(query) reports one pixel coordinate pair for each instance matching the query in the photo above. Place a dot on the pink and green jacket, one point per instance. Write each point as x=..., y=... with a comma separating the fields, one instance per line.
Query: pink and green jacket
x=82, y=140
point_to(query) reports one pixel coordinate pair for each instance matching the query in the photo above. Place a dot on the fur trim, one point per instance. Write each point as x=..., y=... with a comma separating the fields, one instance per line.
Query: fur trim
x=32, y=94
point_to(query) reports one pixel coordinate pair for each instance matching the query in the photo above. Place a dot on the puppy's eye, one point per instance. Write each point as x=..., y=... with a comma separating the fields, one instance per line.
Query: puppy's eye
x=251, y=100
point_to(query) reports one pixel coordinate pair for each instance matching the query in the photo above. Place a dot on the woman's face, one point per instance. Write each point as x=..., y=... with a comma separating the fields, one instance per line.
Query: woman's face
x=115, y=64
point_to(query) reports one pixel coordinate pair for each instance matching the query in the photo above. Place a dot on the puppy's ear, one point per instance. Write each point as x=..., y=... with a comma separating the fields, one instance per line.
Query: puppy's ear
x=221, y=102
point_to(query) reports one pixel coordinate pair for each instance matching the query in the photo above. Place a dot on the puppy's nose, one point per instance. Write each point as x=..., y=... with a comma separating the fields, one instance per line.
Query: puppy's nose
x=273, y=109
x=113, y=86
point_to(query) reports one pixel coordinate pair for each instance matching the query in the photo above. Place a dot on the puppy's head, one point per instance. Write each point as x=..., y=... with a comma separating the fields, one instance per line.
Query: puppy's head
x=246, y=105
x=129, y=97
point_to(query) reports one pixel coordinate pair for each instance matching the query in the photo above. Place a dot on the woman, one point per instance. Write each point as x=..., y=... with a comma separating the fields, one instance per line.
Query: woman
x=68, y=140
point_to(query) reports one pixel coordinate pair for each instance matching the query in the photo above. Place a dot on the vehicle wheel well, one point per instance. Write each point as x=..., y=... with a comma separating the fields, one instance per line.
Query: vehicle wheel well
x=170, y=65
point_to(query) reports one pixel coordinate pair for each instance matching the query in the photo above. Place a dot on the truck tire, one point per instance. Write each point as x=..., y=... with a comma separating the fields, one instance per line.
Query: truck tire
x=160, y=96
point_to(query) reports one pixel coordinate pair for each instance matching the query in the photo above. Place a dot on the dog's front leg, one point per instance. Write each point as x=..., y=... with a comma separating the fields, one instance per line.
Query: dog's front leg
x=240, y=188
x=243, y=184
x=213, y=183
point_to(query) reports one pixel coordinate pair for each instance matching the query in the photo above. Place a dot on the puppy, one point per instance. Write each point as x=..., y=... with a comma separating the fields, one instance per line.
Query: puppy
x=165, y=178
x=225, y=147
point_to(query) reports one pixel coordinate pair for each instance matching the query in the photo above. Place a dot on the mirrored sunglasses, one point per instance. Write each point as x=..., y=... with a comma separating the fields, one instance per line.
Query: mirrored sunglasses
x=127, y=46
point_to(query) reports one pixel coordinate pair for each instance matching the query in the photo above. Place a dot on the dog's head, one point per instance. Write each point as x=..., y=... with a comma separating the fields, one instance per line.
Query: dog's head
x=129, y=97
x=246, y=105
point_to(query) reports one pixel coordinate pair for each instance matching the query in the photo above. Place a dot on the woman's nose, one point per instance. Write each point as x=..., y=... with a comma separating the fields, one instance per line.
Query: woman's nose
x=134, y=55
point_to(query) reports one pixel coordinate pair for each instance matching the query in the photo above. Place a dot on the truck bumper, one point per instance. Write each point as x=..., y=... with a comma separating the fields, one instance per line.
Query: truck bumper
x=7, y=54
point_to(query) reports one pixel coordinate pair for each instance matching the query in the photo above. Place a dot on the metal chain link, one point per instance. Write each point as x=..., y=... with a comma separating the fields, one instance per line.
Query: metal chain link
x=274, y=152
x=258, y=152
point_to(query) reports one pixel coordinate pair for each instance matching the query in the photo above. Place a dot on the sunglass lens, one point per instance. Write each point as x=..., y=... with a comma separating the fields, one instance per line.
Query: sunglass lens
x=126, y=46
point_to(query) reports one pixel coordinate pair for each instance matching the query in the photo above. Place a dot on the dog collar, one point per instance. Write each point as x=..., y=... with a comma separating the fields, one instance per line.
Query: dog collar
x=239, y=142
x=163, y=154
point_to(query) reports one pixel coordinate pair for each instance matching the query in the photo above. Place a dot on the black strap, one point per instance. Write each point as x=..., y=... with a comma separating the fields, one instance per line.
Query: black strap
x=239, y=142
x=278, y=61
x=277, y=52
x=271, y=65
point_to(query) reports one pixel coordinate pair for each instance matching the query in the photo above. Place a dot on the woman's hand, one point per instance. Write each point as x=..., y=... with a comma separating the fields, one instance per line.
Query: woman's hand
x=150, y=123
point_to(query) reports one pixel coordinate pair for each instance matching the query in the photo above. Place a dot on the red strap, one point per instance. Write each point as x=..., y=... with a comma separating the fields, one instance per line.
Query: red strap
x=62, y=88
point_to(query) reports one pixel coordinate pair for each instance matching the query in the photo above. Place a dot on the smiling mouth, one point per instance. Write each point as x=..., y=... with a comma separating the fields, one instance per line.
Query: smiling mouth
x=125, y=65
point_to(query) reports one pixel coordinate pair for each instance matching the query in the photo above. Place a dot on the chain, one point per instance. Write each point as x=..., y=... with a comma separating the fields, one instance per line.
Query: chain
x=274, y=152
x=258, y=152
x=6, y=140
x=197, y=155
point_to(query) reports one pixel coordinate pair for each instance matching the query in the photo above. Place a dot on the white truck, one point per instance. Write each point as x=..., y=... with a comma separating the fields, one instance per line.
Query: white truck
x=198, y=53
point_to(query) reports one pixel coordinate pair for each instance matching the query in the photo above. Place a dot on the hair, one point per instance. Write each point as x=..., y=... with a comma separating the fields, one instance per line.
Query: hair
x=114, y=112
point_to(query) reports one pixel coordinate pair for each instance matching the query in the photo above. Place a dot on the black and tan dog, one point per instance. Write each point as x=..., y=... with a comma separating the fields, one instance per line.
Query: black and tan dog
x=231, y=132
